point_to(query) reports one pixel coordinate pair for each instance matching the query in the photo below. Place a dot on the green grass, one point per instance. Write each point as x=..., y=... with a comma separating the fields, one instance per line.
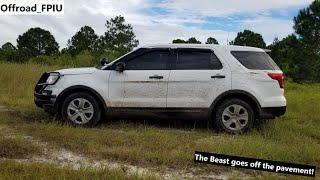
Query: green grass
x=13, y=170
x=293, y=138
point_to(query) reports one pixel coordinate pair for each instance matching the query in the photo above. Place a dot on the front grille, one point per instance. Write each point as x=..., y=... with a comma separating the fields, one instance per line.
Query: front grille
x=40, y=85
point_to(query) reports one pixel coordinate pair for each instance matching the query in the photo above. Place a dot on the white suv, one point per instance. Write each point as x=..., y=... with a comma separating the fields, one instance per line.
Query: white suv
x=231, y=86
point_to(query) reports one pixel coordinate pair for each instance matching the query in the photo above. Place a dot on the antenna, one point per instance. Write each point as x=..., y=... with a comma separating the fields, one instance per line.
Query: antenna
x=228, y=39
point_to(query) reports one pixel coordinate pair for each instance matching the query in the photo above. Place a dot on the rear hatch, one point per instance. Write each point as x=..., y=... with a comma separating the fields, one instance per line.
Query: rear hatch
x=259, y=63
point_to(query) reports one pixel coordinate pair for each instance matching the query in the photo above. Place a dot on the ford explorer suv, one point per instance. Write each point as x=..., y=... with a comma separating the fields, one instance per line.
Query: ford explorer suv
x=230, y=86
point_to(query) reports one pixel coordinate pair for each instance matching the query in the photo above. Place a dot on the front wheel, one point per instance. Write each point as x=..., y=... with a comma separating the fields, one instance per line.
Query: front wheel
x=81, y=109
x=234, y=116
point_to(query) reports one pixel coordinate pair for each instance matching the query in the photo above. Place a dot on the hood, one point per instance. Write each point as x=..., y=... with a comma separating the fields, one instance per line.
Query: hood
x=75, y=71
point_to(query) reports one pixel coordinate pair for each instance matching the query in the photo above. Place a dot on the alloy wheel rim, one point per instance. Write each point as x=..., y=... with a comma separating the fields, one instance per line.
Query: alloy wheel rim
x=80, y=111
x=235, y=117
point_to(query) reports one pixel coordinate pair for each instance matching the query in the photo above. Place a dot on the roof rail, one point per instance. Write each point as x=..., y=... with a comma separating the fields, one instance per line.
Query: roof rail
x=267, y=50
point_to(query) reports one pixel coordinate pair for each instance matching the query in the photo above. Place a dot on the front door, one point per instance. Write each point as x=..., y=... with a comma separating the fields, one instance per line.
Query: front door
x=143, y=83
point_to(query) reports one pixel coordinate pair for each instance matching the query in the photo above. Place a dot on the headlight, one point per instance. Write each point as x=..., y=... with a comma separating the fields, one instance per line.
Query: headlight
x=53, y=78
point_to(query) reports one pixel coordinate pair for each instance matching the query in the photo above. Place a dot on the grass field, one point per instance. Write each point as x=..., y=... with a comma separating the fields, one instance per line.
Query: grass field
x=293, y=138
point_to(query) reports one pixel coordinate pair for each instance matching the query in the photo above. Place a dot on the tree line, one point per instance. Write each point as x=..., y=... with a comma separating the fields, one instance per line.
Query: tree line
x=118, y=39
x=298, y=54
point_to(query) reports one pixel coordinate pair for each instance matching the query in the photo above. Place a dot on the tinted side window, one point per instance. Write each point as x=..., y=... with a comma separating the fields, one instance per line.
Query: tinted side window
x=255, y=60
x=155, y=60
x=197, y=59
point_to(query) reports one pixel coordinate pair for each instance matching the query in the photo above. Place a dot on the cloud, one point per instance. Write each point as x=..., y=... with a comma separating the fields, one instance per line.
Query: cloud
x=77, y=14
x=230, y=7
x=161, y=21
x=270, y=28
x=165, y=33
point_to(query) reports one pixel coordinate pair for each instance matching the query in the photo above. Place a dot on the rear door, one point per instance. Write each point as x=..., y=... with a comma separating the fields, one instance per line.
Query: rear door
x=144, y=81
x=196, y=78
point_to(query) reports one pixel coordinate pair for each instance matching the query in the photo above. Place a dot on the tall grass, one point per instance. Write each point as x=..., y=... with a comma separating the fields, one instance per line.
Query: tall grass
x=83, y=59
x=17, y=82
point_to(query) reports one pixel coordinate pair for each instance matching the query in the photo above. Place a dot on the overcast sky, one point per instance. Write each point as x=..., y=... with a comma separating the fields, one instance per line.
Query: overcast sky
x=161, y=21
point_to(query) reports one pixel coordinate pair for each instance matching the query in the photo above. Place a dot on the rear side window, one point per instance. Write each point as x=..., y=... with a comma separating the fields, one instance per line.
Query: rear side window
x=198, y=60
x=255, y=60
x=155, y=60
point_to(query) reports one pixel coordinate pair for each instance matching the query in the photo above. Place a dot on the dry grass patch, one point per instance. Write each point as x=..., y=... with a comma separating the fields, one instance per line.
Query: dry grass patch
x=17, y=148
x=14, y=170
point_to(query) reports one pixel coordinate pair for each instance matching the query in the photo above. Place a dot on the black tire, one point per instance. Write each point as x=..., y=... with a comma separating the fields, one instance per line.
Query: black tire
x=221, y=119
x=95, y=116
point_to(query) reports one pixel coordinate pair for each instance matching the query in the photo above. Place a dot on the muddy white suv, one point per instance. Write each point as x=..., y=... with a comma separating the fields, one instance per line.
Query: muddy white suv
x=231, y=86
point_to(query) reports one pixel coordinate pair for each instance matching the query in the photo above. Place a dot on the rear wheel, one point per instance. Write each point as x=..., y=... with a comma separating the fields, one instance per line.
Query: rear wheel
x=81, y=109
x=234, y=116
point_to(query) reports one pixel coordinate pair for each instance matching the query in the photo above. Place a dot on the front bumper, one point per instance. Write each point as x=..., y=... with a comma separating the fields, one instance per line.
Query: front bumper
x=47, y=102
x=44, y=98
x=272, y=112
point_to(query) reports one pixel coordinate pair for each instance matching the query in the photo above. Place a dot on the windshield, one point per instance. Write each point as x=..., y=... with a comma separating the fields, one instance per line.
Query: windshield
x=121, y=57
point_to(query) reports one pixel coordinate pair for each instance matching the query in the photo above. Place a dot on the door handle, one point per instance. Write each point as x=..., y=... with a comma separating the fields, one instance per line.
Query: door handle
x=155, y=77
x=218, y=76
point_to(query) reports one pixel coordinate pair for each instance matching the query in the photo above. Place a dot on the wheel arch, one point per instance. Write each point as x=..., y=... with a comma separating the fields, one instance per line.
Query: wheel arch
x=79, y=88
x=239, y=94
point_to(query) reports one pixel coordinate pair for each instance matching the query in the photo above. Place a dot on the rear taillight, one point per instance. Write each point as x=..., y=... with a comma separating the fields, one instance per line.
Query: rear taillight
x=279, y=77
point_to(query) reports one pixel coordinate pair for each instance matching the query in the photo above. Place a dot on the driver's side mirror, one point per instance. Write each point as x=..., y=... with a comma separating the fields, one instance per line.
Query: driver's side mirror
x=104, y=61
x=120, y=67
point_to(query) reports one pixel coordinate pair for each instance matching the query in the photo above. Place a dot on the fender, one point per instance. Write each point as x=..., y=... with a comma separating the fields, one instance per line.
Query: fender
x=235, y=93
x=77, y=88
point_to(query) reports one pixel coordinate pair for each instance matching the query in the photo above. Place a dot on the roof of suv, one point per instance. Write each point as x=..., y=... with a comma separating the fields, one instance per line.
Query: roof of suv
x=211, y=46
